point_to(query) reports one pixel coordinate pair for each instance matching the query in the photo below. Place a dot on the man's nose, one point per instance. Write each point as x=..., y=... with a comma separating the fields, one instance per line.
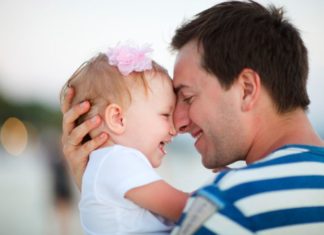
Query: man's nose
x=181, y=118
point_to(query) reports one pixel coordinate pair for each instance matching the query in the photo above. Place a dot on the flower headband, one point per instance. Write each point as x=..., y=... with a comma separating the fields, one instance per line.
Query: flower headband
x=129, y=57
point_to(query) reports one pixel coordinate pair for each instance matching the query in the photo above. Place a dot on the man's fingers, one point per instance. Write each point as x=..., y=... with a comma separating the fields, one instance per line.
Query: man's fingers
x=83, y=150
x=67, y=99
x=72, y=115
x=78, y=164
x=78, y=133
x=94, y=143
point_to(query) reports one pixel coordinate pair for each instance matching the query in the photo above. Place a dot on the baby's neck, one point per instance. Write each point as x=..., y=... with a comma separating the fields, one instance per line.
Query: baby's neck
x=108, y=143
x=98, y=131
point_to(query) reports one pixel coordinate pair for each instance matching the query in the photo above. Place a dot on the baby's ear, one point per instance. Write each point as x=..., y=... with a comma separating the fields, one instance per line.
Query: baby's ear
x=114, y=119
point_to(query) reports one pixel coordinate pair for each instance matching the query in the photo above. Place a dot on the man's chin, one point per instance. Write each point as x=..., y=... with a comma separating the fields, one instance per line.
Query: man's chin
x=206, y=164
x=210, y=164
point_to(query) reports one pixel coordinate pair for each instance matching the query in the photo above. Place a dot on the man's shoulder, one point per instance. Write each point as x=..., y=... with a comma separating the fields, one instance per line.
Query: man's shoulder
x=283, y=164
x=274, y=187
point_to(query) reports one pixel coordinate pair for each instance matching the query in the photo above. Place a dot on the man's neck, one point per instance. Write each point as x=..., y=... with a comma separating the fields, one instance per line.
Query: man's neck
x=280, y=130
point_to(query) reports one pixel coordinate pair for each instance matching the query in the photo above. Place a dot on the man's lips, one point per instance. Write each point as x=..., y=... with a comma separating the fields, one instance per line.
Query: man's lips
x=196, y=134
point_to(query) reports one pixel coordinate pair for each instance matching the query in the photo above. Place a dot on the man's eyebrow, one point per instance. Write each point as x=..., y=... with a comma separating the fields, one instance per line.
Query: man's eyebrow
x=178, y=88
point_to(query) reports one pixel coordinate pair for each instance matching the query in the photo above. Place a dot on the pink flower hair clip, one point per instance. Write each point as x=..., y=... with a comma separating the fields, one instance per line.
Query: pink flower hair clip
x=129, y=57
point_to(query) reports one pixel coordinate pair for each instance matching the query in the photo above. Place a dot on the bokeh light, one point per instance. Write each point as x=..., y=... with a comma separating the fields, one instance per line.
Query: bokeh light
x=14, y=136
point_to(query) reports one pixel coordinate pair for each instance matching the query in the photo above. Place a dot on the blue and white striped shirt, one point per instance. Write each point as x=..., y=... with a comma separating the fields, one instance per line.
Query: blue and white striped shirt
x=280, y=194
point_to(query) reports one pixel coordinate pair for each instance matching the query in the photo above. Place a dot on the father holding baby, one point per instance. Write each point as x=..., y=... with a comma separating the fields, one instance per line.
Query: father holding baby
x=240, y=78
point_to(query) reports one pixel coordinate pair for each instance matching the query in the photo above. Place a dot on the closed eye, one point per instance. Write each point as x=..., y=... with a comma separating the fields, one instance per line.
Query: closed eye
x=188, y=100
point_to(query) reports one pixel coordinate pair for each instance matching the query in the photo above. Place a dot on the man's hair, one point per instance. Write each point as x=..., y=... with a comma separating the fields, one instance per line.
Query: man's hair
x=236, y=35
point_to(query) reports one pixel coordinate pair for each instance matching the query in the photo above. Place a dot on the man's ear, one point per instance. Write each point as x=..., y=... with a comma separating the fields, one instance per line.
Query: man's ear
x=250, y=85
x=114, y=119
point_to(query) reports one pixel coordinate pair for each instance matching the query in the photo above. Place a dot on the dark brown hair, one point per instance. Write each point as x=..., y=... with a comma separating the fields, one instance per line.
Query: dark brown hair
x=237, y=34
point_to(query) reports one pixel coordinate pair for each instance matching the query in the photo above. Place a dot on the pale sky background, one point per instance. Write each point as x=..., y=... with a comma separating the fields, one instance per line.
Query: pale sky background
x=43, y=42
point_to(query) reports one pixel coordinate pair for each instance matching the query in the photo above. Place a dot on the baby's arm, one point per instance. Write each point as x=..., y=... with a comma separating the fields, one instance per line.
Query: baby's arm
x=160, y=198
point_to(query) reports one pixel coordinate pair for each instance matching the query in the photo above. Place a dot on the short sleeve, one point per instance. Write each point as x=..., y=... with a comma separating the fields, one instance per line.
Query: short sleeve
x=120, y=171
x=209, y=211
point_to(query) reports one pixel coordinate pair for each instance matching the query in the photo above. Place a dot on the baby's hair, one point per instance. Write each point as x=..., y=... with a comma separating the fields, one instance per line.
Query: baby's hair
x=102, y=84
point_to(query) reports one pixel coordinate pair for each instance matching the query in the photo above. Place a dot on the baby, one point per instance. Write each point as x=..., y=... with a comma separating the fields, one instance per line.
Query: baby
x=121, y=192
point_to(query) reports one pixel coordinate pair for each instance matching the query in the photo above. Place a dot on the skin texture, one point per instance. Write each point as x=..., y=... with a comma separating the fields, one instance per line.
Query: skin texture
x=147, y=124
x=238, y=123
x=201, y=103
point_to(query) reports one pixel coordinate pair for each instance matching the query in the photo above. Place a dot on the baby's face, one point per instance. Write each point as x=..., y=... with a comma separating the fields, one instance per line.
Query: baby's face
x=150, y=119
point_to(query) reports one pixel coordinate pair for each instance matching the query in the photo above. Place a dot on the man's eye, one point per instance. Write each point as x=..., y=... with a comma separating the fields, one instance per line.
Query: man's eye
x=188, y=100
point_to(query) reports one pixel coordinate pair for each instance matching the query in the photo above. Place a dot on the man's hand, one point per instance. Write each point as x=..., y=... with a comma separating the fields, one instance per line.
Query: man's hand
x=76, y=153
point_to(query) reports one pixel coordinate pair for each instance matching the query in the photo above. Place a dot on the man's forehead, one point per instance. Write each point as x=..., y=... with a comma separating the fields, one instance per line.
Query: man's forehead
x=181, y=75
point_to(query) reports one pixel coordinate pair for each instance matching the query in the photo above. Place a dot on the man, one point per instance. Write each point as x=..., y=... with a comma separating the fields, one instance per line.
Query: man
x=240, y=78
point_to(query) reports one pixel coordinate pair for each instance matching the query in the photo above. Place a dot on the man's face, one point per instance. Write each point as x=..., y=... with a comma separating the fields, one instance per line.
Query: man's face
x=211, y=114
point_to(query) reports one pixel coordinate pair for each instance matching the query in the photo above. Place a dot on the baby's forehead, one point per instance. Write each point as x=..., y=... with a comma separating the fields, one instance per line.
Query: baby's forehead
x=158, y=84
x=160, y=78
x=152, y=84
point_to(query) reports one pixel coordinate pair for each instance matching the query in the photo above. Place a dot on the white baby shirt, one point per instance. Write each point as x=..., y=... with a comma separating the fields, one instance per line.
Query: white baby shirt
x=110, y=173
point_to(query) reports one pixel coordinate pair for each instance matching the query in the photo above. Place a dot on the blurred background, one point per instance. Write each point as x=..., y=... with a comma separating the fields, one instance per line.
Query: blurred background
x=42, y=43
